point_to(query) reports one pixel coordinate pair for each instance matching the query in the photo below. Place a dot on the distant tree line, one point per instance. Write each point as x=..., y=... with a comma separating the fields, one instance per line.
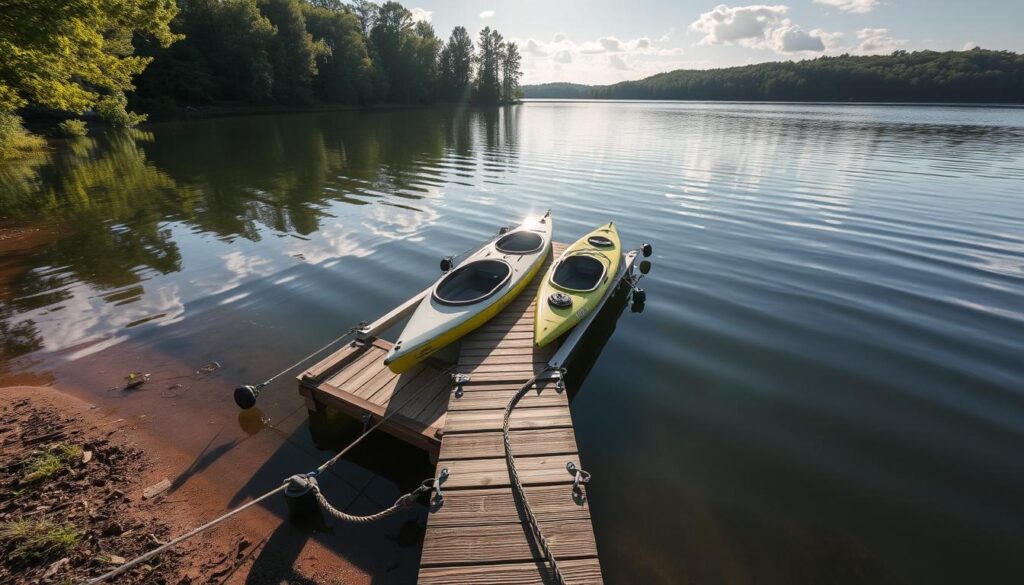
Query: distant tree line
x=975, y=76
x=108, y=57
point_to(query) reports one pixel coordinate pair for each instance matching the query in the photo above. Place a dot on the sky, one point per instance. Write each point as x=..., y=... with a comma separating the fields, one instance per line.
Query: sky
x=606, y=41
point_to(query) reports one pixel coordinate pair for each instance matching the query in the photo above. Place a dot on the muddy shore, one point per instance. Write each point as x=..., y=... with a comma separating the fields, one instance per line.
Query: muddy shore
x=103, y=499
x=79, y=495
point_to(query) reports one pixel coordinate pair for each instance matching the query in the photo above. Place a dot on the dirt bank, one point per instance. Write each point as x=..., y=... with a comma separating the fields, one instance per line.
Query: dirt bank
x=79, y=494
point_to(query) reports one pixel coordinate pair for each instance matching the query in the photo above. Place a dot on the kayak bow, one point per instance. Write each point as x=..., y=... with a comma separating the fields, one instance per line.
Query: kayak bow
x=468, y=296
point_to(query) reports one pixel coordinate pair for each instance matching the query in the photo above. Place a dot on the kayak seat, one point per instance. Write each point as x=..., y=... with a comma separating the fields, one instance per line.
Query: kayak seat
x=579, y=273
x=520, y=242
x=472, y=282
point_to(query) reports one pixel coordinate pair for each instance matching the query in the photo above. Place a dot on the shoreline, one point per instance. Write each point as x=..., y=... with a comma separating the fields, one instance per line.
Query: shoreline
x=244, y=549
x=109, y=492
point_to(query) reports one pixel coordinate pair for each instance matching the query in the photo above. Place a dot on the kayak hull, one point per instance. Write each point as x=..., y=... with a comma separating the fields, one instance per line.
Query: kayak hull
x=577, y=300
x=435, y=324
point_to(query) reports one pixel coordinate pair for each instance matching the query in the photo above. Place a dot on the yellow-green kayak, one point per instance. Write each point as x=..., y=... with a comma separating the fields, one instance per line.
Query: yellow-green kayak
x=575, y=283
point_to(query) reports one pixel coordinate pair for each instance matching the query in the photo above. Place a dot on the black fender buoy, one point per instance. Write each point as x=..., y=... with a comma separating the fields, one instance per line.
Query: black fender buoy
x=639, y=296
x=646, y=250
x=245, y=396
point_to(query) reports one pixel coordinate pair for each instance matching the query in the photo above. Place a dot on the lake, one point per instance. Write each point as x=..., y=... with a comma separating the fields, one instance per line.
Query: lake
x=826, y=384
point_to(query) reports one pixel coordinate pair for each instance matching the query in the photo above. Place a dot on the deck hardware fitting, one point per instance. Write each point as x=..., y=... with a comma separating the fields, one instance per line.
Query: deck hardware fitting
x=580, y=477
x=441, y=477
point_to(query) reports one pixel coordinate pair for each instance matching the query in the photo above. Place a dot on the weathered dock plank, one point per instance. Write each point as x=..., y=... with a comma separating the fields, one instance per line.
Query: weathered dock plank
x=478, y=534
x=576, y=571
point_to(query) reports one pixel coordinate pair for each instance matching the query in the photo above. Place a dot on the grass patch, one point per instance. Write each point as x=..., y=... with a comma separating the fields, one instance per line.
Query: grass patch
x=48, y=463
x=40, y=540
x=15, y=140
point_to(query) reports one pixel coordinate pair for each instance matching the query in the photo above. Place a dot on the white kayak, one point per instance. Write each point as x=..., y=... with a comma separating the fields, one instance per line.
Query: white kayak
x=478, y=289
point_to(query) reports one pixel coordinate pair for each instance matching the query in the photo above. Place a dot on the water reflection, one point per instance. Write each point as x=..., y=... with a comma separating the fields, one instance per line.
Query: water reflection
x=824, y=384
x=127, y=211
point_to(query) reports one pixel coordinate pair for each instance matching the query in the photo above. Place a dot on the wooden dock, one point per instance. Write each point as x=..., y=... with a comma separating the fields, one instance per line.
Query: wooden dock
x=477, y=534
x=354, y=380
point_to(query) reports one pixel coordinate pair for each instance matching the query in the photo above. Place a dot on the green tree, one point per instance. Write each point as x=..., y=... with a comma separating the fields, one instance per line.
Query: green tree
x=510, y=72
x=489, y=57
x=391, y=29
x=293, y=52
x=72, y=54
x=420, y=62
x=345, y=70
x=456, y=66
x=366, y=12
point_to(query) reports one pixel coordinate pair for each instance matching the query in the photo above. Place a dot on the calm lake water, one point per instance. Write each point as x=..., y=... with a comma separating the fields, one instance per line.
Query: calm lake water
x=826, y=386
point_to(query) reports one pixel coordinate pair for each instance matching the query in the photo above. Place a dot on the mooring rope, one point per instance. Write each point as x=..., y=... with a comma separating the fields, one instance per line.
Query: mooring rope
x=402, y=502
x=517, y=485
x=146, y=556
x=354, y=329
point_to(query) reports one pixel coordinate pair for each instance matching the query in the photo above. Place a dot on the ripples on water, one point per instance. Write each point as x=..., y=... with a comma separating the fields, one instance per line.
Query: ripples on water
x=826, y=385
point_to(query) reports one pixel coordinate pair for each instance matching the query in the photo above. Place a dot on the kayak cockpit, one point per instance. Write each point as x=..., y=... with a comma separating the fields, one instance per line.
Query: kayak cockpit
x=520, y=242
x=472, y=282
x=579, y=273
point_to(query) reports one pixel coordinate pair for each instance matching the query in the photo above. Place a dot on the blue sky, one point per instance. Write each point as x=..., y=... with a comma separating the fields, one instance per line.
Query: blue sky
x=604, y=41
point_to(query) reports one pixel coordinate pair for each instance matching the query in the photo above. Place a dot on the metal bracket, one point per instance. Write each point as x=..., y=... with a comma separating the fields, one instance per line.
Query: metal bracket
x=559, y=378
x=367, y=421
x=580, y=477
x=459, y=380
x=441, y=477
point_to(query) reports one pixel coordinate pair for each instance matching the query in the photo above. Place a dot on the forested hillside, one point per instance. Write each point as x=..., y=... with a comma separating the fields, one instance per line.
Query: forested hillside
x=113, y=58
x=978, y=76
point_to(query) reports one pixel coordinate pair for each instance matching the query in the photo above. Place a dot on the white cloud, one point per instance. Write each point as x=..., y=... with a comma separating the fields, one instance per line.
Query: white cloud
x=744, y=25
x=668, y=35
x=603, y=60
x=790, y=38
x=877, y=41
x=533, y=48
x=487, y=14
x=421, y=14
x=833, y=40
x=761, y=27
x=610, y=43
x=970, y=45
x=616, y=62
x=855, y=6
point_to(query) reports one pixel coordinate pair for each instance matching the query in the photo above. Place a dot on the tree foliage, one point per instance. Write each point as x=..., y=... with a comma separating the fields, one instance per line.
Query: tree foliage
x=72, y=54
x=345, y=72
x=977, y=75
x=456, y=66
x=511, y=61
x=160, y=56
x=489, y=59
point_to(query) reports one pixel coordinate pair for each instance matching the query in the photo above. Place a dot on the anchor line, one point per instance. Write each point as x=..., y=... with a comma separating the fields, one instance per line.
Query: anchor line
x=354, y=329
x=403, y=501
x=517, y=484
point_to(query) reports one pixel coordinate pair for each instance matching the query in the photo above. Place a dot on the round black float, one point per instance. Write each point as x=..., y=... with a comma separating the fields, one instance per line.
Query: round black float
x=245, y=396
